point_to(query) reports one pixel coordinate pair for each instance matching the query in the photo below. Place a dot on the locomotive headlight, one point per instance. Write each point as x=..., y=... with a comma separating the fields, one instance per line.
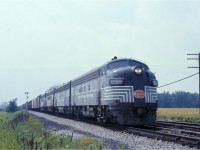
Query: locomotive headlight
x=138, y=70
x=116, y=82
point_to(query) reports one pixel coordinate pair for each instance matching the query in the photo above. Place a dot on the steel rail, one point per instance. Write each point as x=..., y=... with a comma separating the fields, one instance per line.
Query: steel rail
x=183, y=123
x=174, y=130
x=187, y=126
x=182, y=139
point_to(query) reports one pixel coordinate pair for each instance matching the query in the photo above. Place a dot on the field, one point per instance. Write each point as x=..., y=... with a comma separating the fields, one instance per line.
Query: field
x=179, y=114
x=22, y=131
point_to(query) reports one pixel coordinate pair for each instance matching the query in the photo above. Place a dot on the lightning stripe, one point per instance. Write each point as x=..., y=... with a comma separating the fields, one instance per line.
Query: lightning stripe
x=151, y=94
x=122, y=93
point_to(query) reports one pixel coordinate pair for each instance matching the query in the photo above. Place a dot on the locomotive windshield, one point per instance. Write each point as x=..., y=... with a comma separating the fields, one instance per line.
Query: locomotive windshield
x=125, y=63
x=118, y=64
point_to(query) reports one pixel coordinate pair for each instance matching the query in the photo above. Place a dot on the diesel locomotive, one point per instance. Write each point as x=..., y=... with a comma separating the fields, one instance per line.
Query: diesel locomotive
x=122, y=91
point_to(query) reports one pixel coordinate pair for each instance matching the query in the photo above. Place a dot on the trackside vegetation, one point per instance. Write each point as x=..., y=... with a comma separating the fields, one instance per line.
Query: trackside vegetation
x=179, y=114
x=22, y=131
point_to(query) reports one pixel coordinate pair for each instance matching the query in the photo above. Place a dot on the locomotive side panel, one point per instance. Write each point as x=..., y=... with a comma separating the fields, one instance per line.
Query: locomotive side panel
x=67, y=98
x=49, y=101
x=61, y=97
x=84, y=89
x=60, y=101
x=34, y=103
x=42, y=102
x=85, y=94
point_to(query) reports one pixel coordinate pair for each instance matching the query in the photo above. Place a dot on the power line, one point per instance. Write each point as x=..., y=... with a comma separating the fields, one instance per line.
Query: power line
x=179, y=80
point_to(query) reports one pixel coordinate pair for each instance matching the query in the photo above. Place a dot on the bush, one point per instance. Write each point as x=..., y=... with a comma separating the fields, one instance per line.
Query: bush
x=12, y=106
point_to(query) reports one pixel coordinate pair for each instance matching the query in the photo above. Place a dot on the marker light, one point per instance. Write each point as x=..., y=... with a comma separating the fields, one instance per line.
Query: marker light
x=138, y=70
x=154, y=83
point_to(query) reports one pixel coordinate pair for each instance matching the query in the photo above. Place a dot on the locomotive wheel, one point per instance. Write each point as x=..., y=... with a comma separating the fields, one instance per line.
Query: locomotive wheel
x=78, y=113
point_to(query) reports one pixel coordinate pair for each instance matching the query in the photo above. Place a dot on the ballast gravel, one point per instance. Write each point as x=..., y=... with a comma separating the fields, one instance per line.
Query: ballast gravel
x=110, y=139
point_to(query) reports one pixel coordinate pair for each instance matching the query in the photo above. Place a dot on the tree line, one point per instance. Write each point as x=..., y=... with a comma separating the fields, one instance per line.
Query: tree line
x=178, y=99
x=10, y=107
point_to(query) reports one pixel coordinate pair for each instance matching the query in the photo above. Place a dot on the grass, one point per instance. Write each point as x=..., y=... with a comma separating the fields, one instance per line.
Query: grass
x=179, y=114
x=22, y=131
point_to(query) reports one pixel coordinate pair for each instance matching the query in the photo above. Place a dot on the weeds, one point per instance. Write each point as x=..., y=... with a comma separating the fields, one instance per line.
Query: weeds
x=22, y=131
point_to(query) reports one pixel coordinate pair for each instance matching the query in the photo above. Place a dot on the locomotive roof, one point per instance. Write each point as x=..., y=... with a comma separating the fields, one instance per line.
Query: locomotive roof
x=97, y=68
x=121, y=59
x=94, y=70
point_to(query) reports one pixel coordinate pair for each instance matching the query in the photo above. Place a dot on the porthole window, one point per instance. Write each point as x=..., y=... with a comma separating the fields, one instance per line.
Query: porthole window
x=80, y=89
x=84, y=88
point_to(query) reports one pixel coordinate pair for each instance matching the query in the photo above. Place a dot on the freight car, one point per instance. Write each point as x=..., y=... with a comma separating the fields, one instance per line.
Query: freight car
x=120, y=91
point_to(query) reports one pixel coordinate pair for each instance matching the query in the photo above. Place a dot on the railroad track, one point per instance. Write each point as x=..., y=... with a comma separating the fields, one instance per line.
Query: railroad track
x=179, y=125
x=167, y=135
x=184, y=133
x=177, y=132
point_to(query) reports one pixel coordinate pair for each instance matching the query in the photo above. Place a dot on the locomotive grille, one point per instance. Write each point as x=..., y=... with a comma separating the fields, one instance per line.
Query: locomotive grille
x=121, y=93
x=151, y=94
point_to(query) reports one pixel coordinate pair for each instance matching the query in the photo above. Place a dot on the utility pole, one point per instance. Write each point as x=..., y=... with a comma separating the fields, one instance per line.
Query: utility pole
x=26, y=93
x=197, y=55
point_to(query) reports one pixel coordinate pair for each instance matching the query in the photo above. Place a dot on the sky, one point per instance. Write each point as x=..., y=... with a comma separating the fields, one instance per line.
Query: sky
x=49, y=42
